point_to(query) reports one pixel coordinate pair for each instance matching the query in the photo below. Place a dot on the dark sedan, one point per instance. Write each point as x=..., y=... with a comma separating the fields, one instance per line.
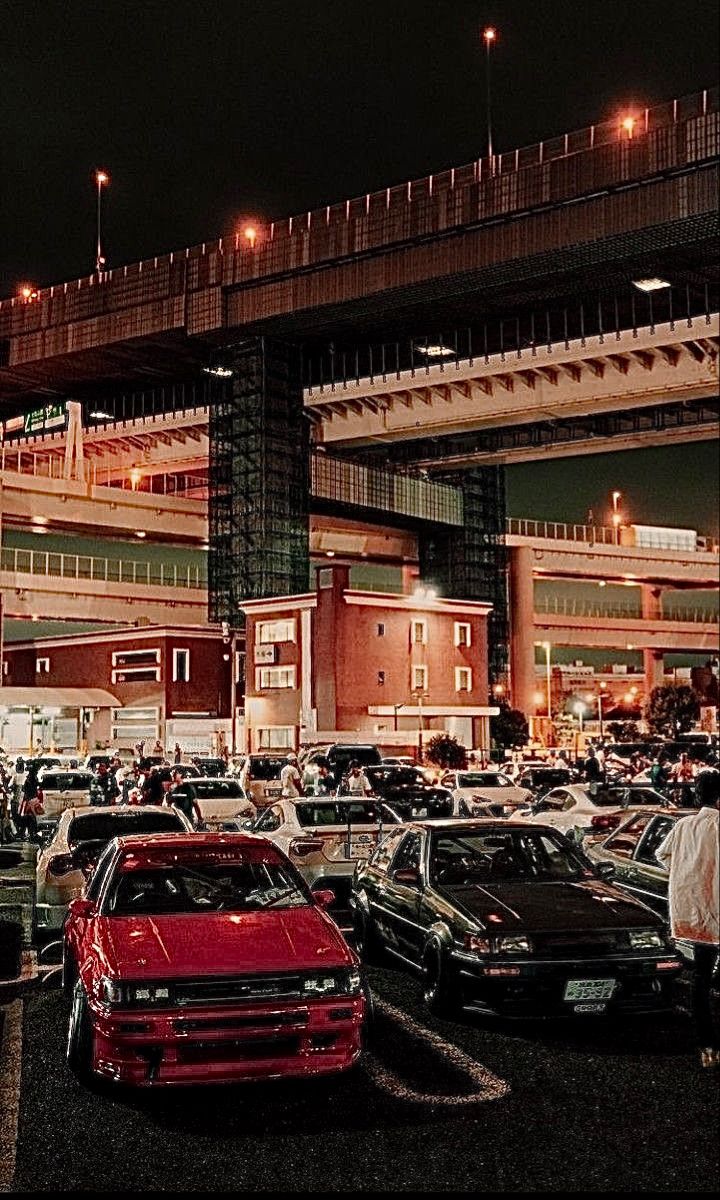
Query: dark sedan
x=630, y=851
x=509, y=918
x=407, y=791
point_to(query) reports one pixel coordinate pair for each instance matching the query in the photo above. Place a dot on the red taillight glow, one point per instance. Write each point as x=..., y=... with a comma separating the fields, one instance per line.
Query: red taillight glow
x=605, y=821
x=668, y=965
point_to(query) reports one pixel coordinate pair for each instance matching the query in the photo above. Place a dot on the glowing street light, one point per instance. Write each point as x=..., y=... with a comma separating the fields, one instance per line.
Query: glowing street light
x=102, y=179
x=628, y=125
x=489, y=37
x=250, y=235
x=616, y=516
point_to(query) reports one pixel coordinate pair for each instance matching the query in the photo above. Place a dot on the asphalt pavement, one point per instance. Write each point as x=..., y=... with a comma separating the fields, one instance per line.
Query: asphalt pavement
x=468, y=1105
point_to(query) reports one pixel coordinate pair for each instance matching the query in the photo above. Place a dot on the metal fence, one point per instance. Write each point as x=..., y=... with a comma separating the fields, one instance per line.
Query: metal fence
x=107, y=570
x=567, y=606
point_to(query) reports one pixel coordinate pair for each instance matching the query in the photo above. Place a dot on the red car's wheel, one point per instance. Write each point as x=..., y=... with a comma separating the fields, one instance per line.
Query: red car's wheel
x=79, y=1055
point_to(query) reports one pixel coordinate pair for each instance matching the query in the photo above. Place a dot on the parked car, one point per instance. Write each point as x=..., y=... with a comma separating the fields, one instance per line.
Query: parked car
x=93, y=761
x=325, y=838
x=541, y=779
x=584, y=814
x=59, y=790
x=81, y=836
x=221, y=800
x=340, y=756
x=489, y=792
x=205, y=959
x=215, y=767
x=187, y=770
x=262, y=778
x=510, y=919
x=407, y=791
x=630, y=850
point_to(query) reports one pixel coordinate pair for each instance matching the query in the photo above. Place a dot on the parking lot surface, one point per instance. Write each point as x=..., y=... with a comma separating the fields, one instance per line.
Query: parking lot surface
x=468, y=1105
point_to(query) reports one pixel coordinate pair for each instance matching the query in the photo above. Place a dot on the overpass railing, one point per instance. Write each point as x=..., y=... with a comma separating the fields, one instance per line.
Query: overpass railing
x=50, y=564
x=567, y=606
x=603, y=535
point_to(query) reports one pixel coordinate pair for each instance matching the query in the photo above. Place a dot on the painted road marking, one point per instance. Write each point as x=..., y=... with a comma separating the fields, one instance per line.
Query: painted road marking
x=486, y=1085
x=10, y=1072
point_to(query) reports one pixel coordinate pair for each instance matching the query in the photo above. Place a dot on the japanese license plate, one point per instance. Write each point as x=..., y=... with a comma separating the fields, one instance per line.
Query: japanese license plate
x=590, y=1008
x=589, y=989
x=362, y=846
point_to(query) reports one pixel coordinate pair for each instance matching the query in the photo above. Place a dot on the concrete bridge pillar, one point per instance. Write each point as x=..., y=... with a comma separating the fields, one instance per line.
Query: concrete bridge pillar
x=651, y=601
x=522, y=632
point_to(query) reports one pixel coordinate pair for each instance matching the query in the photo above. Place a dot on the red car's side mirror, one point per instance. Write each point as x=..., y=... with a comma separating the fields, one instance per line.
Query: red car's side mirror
x=81, y=909
x=324, y=898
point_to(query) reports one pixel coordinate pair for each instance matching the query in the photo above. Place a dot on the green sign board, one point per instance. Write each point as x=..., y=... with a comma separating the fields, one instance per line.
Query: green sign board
x=42, y=419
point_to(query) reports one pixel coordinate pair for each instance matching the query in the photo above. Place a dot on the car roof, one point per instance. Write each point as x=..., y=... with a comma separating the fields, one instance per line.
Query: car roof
x=464, y=823
x=192, y=841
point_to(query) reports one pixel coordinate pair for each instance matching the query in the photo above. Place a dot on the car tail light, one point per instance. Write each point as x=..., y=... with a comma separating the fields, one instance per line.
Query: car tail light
x=605, y=821
x=303, y=846
x=61, y=864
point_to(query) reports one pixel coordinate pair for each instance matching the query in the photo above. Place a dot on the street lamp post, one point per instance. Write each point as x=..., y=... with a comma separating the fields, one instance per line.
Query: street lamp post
x=616, y=516
x=489, y=37
x=101, y=180
x=600, y=710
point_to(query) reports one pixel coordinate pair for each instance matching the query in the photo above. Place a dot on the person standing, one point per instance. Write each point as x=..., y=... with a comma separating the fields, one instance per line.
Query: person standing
x=182, y=795
x=104, y=789
x=290, y=778
x=17, y=784
x=691, y=854
x=178, y=753
x=593, y=771
x=30, y=805
x=153, y=790
x=659, y=772
x=356, y=781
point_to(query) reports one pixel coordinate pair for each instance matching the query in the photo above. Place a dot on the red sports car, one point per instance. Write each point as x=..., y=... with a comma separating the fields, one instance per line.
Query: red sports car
x=205, y=958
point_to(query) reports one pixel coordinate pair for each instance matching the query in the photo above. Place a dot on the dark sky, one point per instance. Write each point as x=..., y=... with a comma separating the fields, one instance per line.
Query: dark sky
x=205, y=113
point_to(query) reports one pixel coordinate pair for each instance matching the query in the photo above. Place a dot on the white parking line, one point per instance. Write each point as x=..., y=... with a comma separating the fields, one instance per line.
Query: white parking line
x=486, y=1086
x=10, y=1070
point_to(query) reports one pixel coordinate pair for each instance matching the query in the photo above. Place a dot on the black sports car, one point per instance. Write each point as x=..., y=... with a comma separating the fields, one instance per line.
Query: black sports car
x=407, y=791
x=507, y=917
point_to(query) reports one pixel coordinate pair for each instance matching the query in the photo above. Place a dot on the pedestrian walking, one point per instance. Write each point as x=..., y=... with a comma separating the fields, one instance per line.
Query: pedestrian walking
x=178, y=753
x=290, y=778
x=593, y=771
x=104, y=789
x=31, y=806
x=690, y=853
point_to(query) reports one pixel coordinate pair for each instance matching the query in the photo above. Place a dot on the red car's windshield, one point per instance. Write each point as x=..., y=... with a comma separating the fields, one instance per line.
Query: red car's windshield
x=196, y=886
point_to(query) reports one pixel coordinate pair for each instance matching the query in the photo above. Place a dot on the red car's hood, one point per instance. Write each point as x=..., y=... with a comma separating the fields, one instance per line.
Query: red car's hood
x=162, y=947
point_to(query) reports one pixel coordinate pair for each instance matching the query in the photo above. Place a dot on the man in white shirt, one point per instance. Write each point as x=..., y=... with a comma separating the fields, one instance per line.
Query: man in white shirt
x=357, y=781
x=290, y=778
x=691, y=854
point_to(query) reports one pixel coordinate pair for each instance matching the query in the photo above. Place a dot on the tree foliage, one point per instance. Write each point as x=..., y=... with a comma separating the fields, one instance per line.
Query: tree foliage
x=672, y=709
x=446, y=751
x=509, y=728
x=623, y=731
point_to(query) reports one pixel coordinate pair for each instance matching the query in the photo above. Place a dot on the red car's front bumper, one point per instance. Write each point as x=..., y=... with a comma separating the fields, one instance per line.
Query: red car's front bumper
x=222, y=1045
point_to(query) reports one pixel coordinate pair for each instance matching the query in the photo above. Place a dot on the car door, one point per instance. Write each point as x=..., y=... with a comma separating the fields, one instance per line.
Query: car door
x=649, y=879
x=399, y=902
x=620, y=847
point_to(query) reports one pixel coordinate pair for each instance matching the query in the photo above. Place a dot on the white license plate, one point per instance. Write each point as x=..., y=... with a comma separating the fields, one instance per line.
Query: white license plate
x=596, y=1009
x=362, y=847
x=276, y=791
x=589, y=989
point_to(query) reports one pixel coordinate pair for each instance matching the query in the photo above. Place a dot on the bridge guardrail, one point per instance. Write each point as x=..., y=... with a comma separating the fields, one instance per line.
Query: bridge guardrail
x=51, y=564
x=563, y=606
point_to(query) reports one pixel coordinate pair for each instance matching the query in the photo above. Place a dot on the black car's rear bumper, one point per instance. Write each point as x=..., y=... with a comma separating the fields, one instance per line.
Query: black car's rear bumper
x=537, y=988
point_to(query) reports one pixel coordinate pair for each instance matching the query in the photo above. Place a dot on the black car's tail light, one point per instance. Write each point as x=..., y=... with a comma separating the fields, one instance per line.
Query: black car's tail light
x=61, y=864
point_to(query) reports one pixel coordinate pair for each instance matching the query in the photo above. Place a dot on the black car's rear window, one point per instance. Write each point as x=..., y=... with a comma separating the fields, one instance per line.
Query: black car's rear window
x=324, y=813
x=266, y=768
x=99, y=826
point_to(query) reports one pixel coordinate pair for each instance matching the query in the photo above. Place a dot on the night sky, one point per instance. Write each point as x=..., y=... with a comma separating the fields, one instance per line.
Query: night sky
x=206, y=113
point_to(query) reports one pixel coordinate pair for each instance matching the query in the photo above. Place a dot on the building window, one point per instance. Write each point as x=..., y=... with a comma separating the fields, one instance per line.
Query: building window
x=181, y=666
x=274, y=677
x=136, y=658
x=463, y=679
x=419, y=679
x=381, y=630
x=275, y=631
x=42, y=666
x=276, y=737
x=462, y=633
x=135, y=675
x=418, y=633
x=381, y=678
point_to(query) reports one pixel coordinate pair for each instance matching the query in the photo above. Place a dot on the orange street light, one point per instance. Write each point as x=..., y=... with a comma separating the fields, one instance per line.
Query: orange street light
x=628, y=125
x=101, y=180
x=250, y=235
x=489, y=37
x=490, y=34
x=28, y=293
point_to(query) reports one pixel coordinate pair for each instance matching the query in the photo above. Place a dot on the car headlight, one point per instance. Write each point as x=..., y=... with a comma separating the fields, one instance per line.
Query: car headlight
x=336, y=983
x=646, y=939
x=514, y=944
x=130, y=995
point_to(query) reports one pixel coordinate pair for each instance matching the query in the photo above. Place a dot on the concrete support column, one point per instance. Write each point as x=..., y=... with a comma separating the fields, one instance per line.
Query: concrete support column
x=651, y=600
x=522, y=633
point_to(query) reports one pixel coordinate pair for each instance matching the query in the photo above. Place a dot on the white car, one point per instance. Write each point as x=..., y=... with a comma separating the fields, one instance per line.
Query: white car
x=480, y=793
x=82, y=834
x=582, y=812
x=58, y=790
x=220, y=800
x=325, y=837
